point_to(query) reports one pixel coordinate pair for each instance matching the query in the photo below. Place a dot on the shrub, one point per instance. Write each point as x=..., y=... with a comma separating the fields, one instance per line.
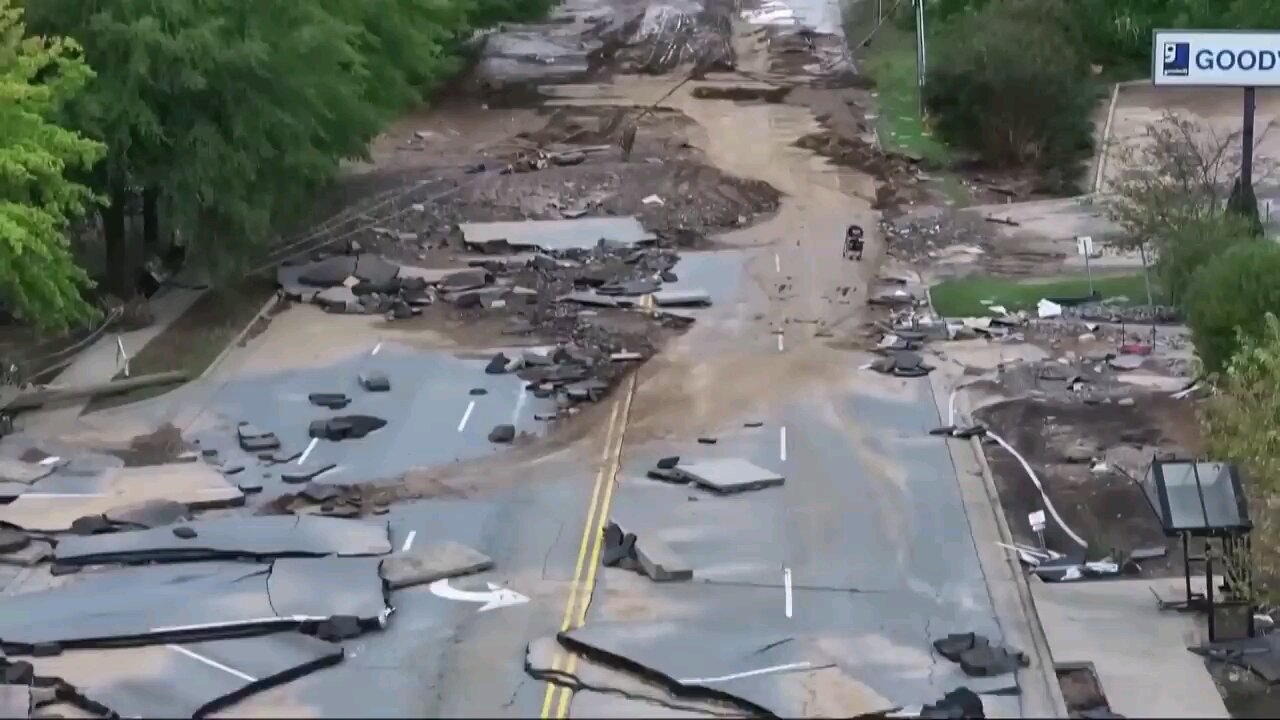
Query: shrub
x=1008, y=83
x=1229, y=298
x=1182, y=250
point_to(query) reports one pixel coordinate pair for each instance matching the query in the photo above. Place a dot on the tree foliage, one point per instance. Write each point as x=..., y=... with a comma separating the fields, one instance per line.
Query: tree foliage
x=1118, y=32
x=1229, y=298
x=1007, y=82
x=1241, y=422
x=231, y=114
x=39, y=279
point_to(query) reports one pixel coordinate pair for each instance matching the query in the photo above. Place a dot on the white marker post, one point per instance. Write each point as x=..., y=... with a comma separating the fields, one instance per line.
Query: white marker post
x=1084, y=246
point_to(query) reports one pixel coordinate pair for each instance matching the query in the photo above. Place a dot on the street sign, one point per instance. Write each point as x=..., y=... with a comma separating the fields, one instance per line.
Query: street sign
x=1084, y=245
x=1216, y=58
x=1037, y=520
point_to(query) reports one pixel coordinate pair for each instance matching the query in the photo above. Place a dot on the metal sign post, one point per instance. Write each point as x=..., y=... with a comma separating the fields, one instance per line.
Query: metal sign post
x=1246, y=59
x=921, y=57
x=1084, y=246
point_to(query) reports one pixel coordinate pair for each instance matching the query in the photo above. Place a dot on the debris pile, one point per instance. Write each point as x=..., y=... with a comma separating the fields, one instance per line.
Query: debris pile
x=977, y=657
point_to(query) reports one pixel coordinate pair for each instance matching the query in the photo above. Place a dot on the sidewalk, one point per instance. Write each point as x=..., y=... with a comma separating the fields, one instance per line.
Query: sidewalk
x=100, y=361
x=1138, y=652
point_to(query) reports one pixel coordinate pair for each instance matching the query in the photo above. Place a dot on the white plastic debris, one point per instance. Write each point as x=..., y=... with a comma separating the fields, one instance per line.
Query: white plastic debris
x=999, y=310
x=1048, y=309
x=653, y=200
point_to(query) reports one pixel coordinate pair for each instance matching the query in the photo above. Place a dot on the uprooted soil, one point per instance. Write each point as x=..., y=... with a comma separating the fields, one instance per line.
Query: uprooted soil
x=572, y=166
x=1058, y=439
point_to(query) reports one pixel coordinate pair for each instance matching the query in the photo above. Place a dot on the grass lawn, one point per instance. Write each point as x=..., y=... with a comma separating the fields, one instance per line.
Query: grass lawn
x=892, y=65
x=195, y=339
x=963, y=297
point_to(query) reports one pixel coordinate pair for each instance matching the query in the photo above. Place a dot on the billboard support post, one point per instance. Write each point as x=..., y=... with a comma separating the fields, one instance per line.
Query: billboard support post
x=1246, y=144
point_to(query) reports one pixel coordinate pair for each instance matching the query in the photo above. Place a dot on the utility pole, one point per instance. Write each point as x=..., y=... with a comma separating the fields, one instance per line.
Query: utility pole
x=921, y=58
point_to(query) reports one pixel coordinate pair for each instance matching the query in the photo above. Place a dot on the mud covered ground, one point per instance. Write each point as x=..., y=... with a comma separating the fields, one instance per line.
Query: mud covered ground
x=1060, y=439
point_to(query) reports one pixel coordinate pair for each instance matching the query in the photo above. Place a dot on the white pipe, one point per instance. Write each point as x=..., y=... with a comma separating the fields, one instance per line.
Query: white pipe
x=1048, y=505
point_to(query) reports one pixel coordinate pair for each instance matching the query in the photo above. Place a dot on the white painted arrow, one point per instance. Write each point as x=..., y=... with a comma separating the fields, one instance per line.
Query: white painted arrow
x=497, y=596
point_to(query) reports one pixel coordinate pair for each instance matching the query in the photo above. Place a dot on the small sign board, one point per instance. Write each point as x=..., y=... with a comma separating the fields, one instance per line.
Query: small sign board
x=1216, y=58
x=1037, y=520
x=1084, y=245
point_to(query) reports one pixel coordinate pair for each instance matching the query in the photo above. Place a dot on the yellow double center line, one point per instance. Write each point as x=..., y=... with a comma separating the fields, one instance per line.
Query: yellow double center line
x=555, y=702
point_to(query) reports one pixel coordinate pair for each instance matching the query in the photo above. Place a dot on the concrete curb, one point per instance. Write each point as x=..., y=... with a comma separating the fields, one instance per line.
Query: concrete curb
x=267, y=307
x=1040, y=641
x=1104, y=147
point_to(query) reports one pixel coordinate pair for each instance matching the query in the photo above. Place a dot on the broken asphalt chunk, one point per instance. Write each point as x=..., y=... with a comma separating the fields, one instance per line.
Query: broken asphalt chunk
x=304, y=473
x=375, y=381
x=954, y=645
x=502, y=434
x=320, y=492
x=345, y=427
x=12, y=540
x=476, y=392
x=729, y=475
x=329, y=271
x=668, y=463
x=428, y=563
x=959, y=704
x=991, y=661
x=254, y=439
x=338, y=628
x=671, y=476
x=497, y=365
x=149, y=513
x=232, y=537
x=333, y=401
x=184, y=532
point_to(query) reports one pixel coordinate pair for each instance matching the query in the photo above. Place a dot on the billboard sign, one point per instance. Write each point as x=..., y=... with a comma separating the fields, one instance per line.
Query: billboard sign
x=1221, y=58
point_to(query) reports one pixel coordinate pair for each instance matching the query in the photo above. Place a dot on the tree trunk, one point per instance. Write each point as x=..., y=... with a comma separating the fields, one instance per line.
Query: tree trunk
x=119, y=266
x=151, y=221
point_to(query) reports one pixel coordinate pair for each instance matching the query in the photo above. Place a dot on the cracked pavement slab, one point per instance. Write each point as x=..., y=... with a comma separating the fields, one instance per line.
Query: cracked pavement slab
x=231, y=537
x=187, y=602
x=768, y=673
x=185, y=680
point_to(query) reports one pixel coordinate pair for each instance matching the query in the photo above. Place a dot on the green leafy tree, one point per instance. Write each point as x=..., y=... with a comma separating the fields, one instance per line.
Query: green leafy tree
x=40, y=281
x=1241, y=422
x=1008, y=83
x=1229, y=298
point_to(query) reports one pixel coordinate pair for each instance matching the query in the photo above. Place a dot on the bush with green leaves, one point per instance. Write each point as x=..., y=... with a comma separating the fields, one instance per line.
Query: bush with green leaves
x=1008, y=83
x=1184, y=249
x=1239, y=422
x=1229, y=299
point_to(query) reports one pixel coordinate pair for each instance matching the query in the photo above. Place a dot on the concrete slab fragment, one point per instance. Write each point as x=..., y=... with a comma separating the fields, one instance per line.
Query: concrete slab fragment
x=729, y=475
x=189, y=680
x=57, y=504
x=327, y=586
x=428, y=563
x=149, y=513
x=231, y=537
x=558, y=235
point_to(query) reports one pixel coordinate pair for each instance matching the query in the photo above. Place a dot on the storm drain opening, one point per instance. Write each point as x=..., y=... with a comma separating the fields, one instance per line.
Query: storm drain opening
x=1082, y=691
